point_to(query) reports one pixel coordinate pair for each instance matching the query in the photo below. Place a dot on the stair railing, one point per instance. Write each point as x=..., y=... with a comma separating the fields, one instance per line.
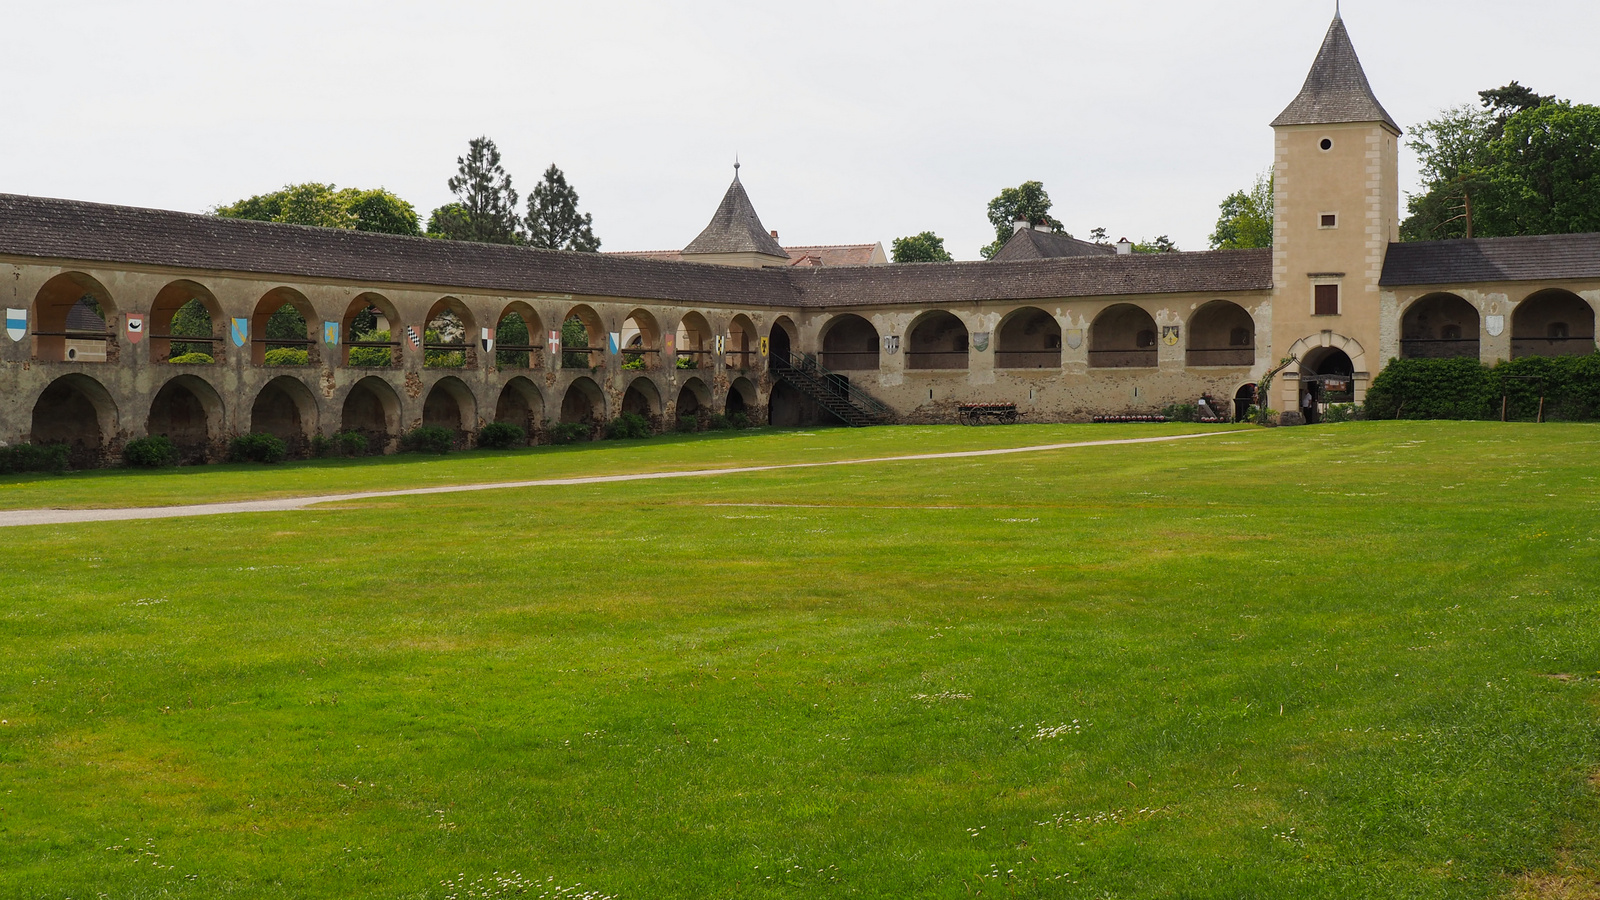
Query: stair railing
x=807, y=363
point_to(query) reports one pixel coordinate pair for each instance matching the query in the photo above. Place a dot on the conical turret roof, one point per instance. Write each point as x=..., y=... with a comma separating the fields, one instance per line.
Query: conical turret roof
x=736, y=228
x=1336, y=91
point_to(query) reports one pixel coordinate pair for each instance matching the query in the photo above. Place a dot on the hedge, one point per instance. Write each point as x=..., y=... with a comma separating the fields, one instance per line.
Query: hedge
x=1467, y=389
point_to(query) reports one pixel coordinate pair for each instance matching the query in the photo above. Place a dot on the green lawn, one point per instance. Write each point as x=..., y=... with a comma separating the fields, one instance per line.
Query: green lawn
x=1348, y=661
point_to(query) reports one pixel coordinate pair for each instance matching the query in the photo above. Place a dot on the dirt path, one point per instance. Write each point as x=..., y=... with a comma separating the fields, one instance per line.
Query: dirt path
x=19, y=517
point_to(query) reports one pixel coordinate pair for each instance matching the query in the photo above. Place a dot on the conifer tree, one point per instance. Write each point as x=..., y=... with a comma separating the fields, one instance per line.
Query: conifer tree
x=554, y=222
x=485, y=200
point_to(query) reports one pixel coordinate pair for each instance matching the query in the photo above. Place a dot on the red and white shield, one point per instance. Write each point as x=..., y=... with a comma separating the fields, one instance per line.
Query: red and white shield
x=135, y=327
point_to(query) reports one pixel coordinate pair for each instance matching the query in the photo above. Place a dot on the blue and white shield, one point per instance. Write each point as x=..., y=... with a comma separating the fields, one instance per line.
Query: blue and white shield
x=16, y=323
x=614, y=342
x=239, y=331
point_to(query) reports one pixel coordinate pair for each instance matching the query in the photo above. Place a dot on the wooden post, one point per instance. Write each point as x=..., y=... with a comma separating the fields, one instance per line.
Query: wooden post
x=1502, y=407
x=1540, y=420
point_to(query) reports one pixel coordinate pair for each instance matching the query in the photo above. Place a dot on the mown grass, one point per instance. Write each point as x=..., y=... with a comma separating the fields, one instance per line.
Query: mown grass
x=1314, y=662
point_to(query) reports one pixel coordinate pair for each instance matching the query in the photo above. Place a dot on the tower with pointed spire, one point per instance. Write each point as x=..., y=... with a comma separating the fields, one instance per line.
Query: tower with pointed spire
x=1336, y=209
x=736, y=236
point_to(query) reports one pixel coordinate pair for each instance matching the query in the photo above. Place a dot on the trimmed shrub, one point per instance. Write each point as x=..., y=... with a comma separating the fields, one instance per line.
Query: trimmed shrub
x=1467, y=389
x=428, y=439
x=687, y=362
x=321, y=446
x=568, y=432
x=633, y=364
x=501, y=435
x=151, y=452
x=34, y=458
x=350, y=443
x=372, y=357
x=286, y=356
x=191, y=359
x=628, y=426
x=261, y=448
x=1342, y=412
x=687, y=424
x=1181, y=412
x=719, y=422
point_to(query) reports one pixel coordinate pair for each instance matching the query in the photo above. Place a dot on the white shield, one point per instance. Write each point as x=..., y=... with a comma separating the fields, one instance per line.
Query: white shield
x=16, y=323
x=891, y=344
x=1074, y=338
x=1495, y=325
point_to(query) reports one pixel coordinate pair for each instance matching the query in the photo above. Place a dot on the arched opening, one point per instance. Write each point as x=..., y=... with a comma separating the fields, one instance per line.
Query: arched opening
x=643, y=399
x=280, y=330
x=742, y=344
x=287, y=410
x=641, y=342
x=1552, y=323
x=450, y=404
x=372, y=410
x=369, y=333
x=1123, y=336
x=938, y=340
x=781, y=341
x=850, y=344
x=1029, y=338
x=184, y=309
x=584, y=404
x=518, y=338
x=1439, y=326
x=522, y=405
x=70, y=316
x=77, y=411
x=742, y=399
x=694, y=401
x=188, y=412
x=1221, y=334
x=583, y=340
x=694, y=333
x=1243, y=399
x=448, y=335
x=1327, y=375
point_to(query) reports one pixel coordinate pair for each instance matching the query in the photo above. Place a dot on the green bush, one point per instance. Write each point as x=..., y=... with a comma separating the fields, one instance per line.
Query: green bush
x=428, y=439
x=719, y=422
x=372, y=357
x=1342, y=412
x=688, y=424
x=287, y=356
x=739, y=421
x=569, y=432
x=633, y=363
x=34, y=458
x=501, y=435
x=321, y=446
x=1181, y=412
x=628, y=426
x=151, y=452
x=687, y=362
x=261, y=448
x=1467, y=389
x=350, y=443
x=191, y=359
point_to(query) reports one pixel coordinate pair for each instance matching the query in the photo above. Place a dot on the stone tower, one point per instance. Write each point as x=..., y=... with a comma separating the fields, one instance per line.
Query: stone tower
x=1336, y=209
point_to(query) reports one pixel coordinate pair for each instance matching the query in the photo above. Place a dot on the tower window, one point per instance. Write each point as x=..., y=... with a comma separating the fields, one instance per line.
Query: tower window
x=1327, y=144
x=1327, y=300
x=1330, y=220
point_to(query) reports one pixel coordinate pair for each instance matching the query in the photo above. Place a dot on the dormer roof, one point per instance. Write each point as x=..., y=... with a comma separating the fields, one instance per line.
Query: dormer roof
x=1336, y=91
x=735, y=228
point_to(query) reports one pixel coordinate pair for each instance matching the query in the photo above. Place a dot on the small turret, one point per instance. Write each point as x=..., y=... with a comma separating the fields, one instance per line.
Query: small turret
x=736, y=236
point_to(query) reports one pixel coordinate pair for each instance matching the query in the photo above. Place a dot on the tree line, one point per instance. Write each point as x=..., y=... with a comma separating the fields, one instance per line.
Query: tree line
x=486, y=207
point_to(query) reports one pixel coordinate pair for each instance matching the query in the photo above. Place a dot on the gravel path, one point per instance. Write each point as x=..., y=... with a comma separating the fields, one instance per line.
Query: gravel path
x=18, y=517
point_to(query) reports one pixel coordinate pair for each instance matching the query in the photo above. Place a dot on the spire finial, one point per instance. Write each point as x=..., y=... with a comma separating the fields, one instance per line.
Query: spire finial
x=736, y=167
x=1336, y=13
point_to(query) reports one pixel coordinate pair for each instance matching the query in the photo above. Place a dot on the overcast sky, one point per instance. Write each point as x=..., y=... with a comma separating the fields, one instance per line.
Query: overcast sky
x=855, y=121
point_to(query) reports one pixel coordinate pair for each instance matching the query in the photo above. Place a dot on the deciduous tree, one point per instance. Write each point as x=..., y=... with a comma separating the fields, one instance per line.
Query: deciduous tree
x=1025, y=201
x=1246, y=219
x=924, y=247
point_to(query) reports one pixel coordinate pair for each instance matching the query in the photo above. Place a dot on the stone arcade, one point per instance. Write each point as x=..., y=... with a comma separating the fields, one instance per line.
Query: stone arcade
x=1061, y=330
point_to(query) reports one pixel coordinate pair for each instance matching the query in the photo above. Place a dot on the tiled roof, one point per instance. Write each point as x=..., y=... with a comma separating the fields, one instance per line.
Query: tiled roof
x=69, y=229
x=90, y=232
x=1210, y=272
x=735, y=228
x=1531, y=258
x=1029, y=243
x=837, y=255
x=1336, y=91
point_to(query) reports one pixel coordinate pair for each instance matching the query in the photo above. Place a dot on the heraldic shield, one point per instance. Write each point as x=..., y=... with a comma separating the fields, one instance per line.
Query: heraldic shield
x=135, y=327
x=1074, y=338
x=16, y=323
x=486, y=340
x=239, y=331
x=330, y=333
x=1169, y=335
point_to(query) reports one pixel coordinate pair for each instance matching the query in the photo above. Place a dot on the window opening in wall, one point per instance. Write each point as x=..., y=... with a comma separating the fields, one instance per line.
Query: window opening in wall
x=1327, y=144
x=1327, y=300
x=1330, y=220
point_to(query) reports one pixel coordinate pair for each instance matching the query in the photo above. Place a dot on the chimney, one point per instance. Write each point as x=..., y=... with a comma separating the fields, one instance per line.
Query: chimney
x=1124, y=247
x=1019, y=225
x=1044, y=227
x=774, y=235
